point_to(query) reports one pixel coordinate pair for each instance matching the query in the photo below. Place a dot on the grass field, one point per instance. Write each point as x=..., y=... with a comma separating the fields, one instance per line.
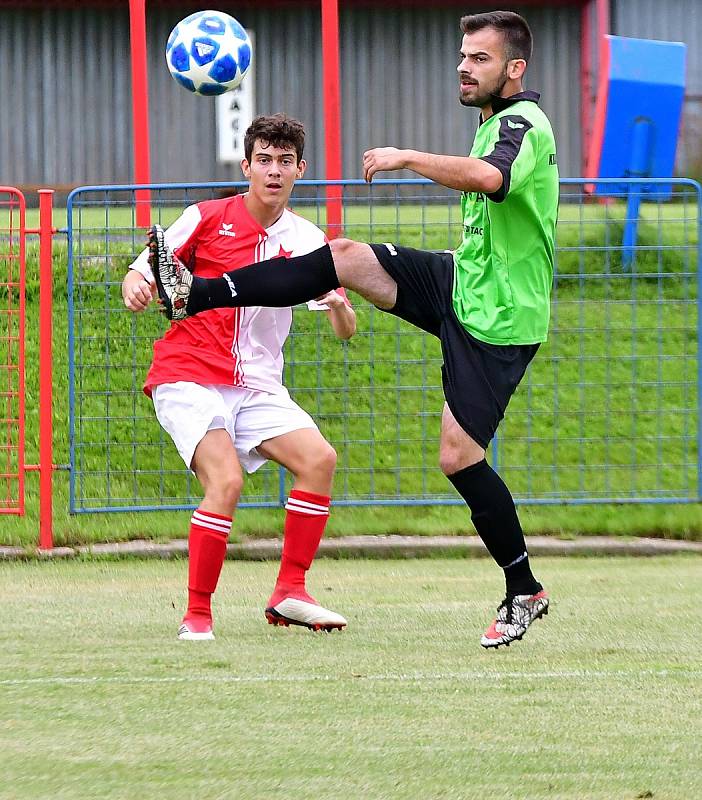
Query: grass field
x=601, y=700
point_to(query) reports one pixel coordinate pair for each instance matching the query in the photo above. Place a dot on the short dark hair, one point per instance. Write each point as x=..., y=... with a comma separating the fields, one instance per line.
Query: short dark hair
x=276, y=130
x=514, y=29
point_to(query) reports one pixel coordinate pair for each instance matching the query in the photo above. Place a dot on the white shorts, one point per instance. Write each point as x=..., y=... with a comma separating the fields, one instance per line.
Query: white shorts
x=187, y=411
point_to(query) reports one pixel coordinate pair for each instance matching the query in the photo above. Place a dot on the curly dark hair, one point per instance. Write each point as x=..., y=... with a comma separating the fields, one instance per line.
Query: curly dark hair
x=514, y=29
x=277, y=130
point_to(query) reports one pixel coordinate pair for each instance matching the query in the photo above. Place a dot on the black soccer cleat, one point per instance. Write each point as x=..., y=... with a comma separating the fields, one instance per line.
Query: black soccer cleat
x=514, y=615
x=173, y=279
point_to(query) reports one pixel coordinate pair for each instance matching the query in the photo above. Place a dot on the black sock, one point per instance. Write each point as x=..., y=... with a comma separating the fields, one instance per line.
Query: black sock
x=278, y=282
x=495, y=518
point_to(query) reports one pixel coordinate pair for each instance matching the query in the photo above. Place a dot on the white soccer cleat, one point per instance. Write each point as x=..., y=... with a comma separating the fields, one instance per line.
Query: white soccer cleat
x=173, y=279
x=514, y=615
x=194, y=631
x=310, y=615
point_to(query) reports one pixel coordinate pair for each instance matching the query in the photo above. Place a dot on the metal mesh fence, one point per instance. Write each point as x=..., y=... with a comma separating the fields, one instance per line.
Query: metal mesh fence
x=608, y=411
x=12, y=307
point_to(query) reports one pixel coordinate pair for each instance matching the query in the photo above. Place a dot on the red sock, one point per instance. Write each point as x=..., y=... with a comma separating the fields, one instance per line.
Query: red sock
x=306, y=516
x=207, y=547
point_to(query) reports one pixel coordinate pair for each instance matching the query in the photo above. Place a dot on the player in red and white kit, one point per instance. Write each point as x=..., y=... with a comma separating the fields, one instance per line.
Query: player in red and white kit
x=216, y=379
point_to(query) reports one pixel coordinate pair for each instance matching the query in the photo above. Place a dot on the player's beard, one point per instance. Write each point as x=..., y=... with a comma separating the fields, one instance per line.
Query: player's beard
x=483, y=99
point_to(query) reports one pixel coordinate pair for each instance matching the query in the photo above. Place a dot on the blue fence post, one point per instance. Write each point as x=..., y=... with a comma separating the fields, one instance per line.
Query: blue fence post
x=641, y=141
x=71, y=359
x=281, y=485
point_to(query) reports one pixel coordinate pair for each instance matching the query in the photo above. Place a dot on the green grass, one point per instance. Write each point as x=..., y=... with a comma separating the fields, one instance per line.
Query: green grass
x=600, y=701
x=609, y=407
x=662, y=521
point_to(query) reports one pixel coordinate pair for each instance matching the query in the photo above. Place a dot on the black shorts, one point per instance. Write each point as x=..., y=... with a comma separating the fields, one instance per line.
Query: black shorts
x=478, y=378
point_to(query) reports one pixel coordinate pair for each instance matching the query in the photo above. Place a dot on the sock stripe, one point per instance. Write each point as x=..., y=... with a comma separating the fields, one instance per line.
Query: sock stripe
x=517, y=560
x=209, y=526
x=213, y=515
x=308, y=511
x=213, y=518
x=204, y=520
x=305, y=507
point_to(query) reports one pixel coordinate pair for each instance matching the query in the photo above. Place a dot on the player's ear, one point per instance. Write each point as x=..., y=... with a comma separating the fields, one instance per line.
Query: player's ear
x=245, y=168
x=516, y=68
x=301, y=167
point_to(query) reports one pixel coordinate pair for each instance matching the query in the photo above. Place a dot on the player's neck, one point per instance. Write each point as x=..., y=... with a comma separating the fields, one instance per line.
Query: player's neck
x=510, y=88
x=264, y=213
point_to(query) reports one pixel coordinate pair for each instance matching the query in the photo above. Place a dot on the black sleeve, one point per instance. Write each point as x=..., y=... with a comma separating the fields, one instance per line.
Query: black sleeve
x=513, y=129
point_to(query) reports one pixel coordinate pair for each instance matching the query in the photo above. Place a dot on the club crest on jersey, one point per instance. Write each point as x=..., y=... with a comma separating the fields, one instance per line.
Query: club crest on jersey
x=226, y=229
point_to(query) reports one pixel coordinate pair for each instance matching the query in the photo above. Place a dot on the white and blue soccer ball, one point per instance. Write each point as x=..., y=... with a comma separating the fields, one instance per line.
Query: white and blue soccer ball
x=208, y=53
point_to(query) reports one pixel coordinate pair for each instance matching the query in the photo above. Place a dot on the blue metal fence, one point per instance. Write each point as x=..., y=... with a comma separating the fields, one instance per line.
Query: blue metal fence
x=609, y=410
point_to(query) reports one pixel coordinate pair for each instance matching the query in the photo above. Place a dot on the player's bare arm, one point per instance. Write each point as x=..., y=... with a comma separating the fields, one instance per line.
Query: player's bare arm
x=341, y=316
x=137, y=292
x=456, y=172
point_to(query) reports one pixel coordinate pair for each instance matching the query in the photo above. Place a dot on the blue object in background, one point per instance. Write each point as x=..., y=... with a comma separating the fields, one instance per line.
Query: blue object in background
x=641, y=96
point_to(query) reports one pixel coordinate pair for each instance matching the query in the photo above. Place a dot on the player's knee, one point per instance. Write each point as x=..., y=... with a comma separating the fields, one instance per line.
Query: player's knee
x=342, y=248
x=327, y=459
x=322, y=461
x=447, y=463
x=343, y=254
x=226, y=489
x=453, y=460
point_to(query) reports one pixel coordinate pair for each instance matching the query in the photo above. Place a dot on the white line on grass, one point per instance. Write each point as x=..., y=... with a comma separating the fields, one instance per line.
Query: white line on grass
x=476, y=675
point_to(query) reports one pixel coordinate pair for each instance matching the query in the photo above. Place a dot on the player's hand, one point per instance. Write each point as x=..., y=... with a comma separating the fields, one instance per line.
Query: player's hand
x=138, y=292
x=331, y=299
x=382, y=158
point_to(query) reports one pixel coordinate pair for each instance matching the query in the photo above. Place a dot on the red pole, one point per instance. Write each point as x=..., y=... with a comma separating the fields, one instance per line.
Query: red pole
x=585, y=80
x=22, y=350
x=46, y=463
x=598, y=121
x=140, y=109
x=332, y=112
x=602, y=20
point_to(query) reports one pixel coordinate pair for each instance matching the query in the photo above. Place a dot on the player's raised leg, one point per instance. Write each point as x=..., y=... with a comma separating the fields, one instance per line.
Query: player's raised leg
x=312, y=460
x=358, y=269
x=342, y=263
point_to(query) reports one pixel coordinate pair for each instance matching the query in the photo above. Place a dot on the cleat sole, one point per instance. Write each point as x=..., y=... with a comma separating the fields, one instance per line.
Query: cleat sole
x=154, y=258
x=186, y=635
x=274, y=618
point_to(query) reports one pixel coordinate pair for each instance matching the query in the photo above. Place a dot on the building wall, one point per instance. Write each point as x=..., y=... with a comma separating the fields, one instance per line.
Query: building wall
x=66, y=108
x=672, y=21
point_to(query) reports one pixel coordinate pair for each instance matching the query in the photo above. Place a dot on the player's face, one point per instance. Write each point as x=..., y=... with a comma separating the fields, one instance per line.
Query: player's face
x=272, y=172
x=483, y=68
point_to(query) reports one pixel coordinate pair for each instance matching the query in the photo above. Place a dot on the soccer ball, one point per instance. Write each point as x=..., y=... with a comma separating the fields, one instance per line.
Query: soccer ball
x=208, y=53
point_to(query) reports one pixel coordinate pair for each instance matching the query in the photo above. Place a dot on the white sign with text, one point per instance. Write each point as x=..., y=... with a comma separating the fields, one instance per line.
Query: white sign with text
x=235, y=112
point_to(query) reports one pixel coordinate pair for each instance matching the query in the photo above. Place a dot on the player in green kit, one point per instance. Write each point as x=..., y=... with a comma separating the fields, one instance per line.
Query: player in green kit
x=488, y=302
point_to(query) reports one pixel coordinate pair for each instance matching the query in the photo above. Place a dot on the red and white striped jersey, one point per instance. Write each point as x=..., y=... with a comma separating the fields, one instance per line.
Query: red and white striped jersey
x=229, y=346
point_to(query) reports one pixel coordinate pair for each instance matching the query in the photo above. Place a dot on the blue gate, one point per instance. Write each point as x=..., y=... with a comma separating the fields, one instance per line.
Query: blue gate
x=609, y=410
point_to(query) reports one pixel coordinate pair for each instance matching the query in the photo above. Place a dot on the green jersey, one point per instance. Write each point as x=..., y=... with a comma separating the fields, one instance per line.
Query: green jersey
x=504, y=265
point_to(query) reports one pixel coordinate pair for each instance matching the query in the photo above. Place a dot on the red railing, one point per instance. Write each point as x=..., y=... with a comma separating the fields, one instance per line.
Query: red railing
x=13, y=234
x=12, y=353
